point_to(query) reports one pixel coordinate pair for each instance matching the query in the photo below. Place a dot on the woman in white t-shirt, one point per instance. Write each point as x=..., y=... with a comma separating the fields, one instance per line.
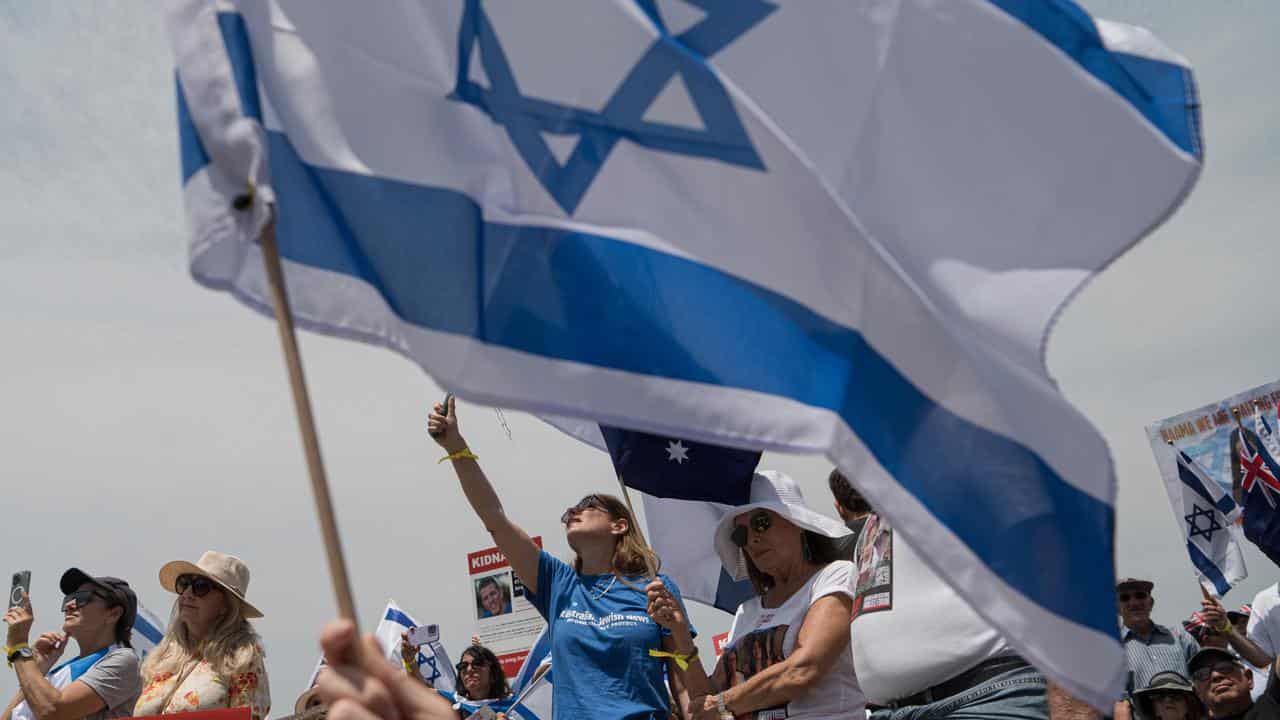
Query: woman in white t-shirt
x=788, y=652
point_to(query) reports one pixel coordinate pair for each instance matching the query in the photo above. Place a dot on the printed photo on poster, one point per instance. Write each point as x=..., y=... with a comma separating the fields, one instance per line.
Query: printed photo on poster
x=493, y=595
x=874, y=557
x=506, y=620
x=752, y=653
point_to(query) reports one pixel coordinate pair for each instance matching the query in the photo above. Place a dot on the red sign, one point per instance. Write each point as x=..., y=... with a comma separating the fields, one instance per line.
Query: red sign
x=490, y=558
x=719, y=641
x=512, y=662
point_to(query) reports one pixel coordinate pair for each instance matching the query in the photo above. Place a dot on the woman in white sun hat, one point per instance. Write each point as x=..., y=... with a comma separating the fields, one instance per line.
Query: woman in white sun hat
x=788, y=651
x=210, y=657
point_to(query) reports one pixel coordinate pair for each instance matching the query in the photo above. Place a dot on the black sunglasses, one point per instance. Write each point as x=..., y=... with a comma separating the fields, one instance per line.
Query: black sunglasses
x=466, y=665
x=1222, y=667
x=80, y=598
x=1138, y=595
x=199, y=584
x=759, y=521
x=590, y=501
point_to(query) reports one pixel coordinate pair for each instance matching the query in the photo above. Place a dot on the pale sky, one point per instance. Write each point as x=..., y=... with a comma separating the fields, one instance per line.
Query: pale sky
x=146, y=419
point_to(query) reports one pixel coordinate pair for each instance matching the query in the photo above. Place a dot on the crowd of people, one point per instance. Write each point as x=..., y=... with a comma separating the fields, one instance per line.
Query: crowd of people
x=845, y=620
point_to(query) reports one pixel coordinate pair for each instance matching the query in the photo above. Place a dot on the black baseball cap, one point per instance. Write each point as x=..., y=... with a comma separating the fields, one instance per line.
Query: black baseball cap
x=113, y=589
x=1208, y=655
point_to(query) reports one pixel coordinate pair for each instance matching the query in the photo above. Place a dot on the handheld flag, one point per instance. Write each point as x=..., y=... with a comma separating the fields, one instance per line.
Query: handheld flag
x=687, y=488
x=1260, y=484
x=795, y=226
x=1209, y=515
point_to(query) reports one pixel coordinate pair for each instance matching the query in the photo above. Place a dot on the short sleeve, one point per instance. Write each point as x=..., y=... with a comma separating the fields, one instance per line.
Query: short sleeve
x=837, y=578
x=250, y=689
x=115, y=678
x=554, y=575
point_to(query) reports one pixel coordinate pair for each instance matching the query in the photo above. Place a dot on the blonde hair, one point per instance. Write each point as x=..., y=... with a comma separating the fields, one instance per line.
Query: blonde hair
x=631, y=554
x=231, y=649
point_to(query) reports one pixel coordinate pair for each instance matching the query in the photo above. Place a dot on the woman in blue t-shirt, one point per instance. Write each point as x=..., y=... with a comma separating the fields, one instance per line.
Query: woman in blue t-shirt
x=602, y=638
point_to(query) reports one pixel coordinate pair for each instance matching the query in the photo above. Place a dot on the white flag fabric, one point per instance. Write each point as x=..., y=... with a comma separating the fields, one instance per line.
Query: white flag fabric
x=434, y=665
x=836, y=226
x=1209, y=520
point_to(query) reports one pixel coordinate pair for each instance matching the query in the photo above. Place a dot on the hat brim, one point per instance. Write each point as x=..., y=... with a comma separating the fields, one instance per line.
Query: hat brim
x=731, y=555
x=72, y=580
x=301, y=703
x=1142, y=585
x=170, y=573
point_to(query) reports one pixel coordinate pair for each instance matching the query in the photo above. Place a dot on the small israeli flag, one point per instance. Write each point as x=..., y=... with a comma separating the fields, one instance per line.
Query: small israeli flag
x=1209, y=516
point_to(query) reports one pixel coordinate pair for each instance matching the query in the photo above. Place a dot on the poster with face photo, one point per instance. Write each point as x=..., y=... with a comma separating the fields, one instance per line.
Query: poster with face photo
x=506, y=620
x=873, y=557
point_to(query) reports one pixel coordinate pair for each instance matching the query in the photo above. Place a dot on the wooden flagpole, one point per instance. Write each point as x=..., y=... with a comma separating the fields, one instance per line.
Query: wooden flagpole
x=307, y=425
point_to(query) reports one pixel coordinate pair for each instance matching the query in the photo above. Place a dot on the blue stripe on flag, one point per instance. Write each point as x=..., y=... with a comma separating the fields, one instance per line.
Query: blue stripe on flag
x=1224, y=503
x=191, y=149
x=527, y=286
x=143, y=627
x=1208, y=569
x=1163, y=92
x=399, y=618
x=235, y=35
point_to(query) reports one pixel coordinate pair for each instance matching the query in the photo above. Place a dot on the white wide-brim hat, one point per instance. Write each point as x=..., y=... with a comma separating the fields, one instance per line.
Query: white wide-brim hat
x=771, y=490
x=228, y=571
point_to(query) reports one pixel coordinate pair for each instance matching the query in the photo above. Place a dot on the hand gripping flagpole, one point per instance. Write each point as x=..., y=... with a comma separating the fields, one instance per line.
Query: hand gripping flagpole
x=307, y=425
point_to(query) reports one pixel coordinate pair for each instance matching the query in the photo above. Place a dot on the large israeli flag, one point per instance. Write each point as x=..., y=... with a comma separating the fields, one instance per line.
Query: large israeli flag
x=830, y=226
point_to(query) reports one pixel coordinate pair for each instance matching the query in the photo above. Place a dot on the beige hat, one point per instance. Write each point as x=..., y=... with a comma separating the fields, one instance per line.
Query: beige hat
x=228, y=571
x=774, y=491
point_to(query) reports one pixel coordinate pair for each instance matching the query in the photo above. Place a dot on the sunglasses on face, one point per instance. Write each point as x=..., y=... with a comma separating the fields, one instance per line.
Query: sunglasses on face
x=1139, y=595
x=759, y=521
x=590, y=501
x=1222, y=667
x=466, y=665
x=80, y=598
x=199, y=585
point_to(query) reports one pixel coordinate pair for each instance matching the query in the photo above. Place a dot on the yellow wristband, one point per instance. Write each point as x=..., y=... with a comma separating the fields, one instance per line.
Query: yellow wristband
x=410, y=667
x=9, y=650
x=682, y=661
x=462, y=454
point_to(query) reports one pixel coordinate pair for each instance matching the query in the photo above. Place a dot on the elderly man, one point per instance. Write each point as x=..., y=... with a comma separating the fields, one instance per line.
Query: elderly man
x=1152, y=648
x=1224, y=685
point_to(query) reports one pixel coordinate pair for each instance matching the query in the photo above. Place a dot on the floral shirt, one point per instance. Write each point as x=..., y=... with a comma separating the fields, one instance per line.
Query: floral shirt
x=199, y=688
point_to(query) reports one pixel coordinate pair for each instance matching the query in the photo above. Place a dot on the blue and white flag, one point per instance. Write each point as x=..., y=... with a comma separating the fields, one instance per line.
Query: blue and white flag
x=532, y=688
x=835, y=226
x=1209, y=516
x=147, y=632
x=434, y=665
x=687, y=488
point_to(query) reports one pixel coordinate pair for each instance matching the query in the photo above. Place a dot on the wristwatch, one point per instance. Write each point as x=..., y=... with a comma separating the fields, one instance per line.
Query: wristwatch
x=21, y=652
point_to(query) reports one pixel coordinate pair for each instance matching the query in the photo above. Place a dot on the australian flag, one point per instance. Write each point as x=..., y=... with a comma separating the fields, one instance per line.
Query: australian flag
x=687, y=488
x=1260, y=482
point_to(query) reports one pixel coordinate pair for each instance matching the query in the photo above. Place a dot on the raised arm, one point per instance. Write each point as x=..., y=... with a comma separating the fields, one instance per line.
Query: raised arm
x=1216, y=616
x=513, y=541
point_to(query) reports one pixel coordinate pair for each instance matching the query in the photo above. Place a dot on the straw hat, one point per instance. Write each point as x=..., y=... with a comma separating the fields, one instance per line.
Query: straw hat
x=228, y=571
x=774, y=491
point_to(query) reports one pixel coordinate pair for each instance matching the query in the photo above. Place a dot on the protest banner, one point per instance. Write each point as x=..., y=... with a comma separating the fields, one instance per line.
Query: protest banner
x=1205, y=434
x=506, y=621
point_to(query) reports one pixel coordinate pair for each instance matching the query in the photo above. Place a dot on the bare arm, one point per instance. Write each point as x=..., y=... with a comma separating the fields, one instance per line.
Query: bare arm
x=513, y=541
x=49, y=703
x=823, y=636
x=8, y=709
x=1216, y=616
x=1063, y=706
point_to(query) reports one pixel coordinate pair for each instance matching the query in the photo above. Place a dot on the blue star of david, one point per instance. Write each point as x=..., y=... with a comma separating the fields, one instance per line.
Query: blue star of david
x=429, y=661
x=1193, y=523
x=526, y=118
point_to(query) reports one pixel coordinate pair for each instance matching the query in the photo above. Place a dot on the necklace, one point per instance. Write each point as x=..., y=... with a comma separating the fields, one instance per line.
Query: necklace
x=607, y=588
